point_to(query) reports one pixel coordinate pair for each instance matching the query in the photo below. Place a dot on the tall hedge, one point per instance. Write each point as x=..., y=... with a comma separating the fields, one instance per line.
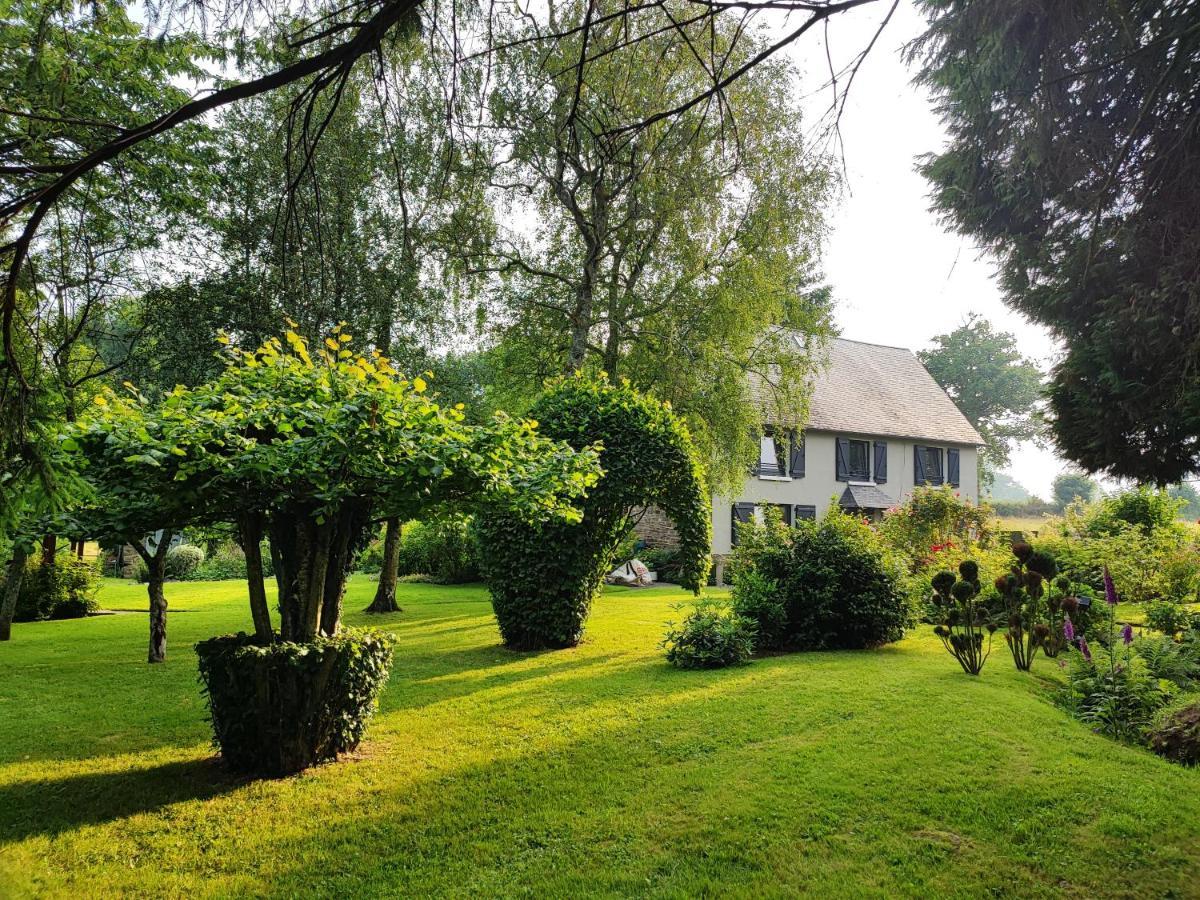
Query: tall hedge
x=543, y=578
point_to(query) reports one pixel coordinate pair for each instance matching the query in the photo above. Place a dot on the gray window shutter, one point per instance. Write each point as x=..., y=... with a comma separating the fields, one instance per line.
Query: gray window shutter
x=881, y=462
x=796, y=463
x=919, y=477
x=803, y=512
x=742, y=512
x=952, y=467
x=842, y=449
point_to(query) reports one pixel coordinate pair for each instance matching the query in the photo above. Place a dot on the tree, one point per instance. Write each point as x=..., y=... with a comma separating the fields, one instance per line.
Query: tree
x=666, y=254
x=1069, y=486
x=994, y=386
x=307, y=451
x=1189, y=497
x=1072, y=159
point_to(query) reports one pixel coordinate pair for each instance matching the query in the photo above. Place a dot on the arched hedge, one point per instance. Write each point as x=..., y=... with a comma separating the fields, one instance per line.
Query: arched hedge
x=543, y=578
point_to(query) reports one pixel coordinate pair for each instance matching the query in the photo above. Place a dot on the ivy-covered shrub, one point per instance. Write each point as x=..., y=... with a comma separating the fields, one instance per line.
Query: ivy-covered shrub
x=182, y=561
x=543, y=578
x=709, y=637
x=1175, y=731
x=840, y=584
x=280, y=708
x=64, y=590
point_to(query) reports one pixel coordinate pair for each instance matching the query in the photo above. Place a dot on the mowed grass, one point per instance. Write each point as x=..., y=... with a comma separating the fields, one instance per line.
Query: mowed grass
x=592, y=771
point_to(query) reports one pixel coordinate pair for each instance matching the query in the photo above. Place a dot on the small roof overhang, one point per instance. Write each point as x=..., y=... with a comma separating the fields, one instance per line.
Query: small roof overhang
x=864, y=496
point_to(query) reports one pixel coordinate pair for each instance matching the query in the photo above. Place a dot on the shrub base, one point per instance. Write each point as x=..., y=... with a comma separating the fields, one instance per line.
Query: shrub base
x=278, y=709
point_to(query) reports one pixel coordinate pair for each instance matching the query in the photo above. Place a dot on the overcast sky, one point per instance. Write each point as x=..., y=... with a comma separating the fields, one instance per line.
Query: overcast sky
x=899, y=277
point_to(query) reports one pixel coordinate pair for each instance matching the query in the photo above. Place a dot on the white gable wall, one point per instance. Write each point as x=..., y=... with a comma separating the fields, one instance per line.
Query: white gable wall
x=819, y=487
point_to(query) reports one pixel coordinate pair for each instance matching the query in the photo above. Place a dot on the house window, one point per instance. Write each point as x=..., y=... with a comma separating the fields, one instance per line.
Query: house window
x=780, y=454
x=804, y=512
x=853, y=461
x=927, y=465
x=785, y=512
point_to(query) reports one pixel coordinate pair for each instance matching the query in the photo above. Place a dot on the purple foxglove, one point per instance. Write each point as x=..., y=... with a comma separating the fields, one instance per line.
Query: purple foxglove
x=1127, y=635
x=1110, y=589
x=1068, y=628
x=1085, y=649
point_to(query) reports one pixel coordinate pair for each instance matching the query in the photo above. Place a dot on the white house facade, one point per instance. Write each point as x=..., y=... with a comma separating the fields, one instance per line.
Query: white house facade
x=878, y=425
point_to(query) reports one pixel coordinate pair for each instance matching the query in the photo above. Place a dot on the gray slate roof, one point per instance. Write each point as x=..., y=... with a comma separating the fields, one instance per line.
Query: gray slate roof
x=864, y=496
x=871, y=389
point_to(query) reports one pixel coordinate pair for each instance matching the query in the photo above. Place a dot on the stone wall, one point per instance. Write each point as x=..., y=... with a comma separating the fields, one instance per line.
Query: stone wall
x=655, y=528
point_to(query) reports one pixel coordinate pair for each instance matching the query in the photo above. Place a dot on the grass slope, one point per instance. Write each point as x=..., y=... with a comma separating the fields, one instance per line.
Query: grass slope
x=595, y=771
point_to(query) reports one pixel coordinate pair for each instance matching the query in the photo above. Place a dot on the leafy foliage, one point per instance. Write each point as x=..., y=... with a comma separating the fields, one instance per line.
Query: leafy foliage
x=316, y=447
x=66, y=589
x=840, y=585
x=1071, y=486
x=182, y=561
x=935, y=519
x=758, y=599
x=280, y=708
x=543, y=577
x=709, y=637
x=1169, y=618
x=1072, y=159
x=997, y=389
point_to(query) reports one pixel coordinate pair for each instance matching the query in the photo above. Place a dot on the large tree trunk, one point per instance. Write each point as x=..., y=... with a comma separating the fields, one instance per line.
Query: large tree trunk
x=156, y=568
x=250, y=536
x=12, y=587
x=49, y=548
x=385, y=594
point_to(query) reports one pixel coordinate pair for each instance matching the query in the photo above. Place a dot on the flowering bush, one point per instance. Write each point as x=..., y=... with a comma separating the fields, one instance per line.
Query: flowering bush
x=1112, y=687
x=935, y=520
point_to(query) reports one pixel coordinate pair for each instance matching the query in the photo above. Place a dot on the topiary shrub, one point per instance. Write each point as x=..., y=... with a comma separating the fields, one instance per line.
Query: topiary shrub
x=1175, y=731
x=280, y=708
x=183, y=561
x=64, y=590
x=544, y=577
x=841, y=586
x=709, y=637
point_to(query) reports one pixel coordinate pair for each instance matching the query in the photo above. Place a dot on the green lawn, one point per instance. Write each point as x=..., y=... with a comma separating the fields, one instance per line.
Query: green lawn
x=596, y=771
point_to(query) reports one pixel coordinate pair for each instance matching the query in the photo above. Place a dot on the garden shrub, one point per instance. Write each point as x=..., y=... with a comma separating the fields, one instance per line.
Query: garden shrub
x=933, y=520
x=758, y=599
x=665, y=562
x=1175, y=731
x=278, y=708
x=182, y=561
x=709, y=637
x=1167, y=617
x=443, y=547
x=840, y=584
x=1168, y=659
x=544, y=577
x=1114, y=691
x=64, y=590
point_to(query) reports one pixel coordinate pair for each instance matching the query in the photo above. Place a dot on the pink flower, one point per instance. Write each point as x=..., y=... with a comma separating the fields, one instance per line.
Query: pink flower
x=1085, y=649
x=1127, y=635
x=1068, y=628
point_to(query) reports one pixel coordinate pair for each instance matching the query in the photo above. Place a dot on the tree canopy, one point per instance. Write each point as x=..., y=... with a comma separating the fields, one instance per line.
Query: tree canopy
x=1072, y=157
x=996, y=387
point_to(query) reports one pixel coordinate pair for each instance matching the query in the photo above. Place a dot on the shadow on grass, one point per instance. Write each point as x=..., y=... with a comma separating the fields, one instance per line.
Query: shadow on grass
x=51, y=806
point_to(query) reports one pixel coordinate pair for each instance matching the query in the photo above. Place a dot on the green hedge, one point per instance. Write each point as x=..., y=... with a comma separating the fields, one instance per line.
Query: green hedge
x=281, y=708
x=543, y=578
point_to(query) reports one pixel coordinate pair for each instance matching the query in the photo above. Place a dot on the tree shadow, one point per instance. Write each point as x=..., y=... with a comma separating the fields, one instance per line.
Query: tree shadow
x=50, y=806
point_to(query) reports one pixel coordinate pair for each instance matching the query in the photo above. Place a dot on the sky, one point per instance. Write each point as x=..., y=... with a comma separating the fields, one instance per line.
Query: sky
x=900, y=277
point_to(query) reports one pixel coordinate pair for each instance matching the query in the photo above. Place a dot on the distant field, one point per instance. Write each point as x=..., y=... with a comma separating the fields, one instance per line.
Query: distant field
x=1022, y=523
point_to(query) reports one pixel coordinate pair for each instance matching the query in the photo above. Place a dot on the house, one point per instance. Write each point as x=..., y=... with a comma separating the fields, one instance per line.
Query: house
x=878, y=424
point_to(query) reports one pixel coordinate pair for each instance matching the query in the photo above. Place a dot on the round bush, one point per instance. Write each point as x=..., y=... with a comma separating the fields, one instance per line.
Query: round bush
x=1175, y=731
x=710, y=637
x=64, y=590
x=280, y=708
x=183, y=561
x=840, y=587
